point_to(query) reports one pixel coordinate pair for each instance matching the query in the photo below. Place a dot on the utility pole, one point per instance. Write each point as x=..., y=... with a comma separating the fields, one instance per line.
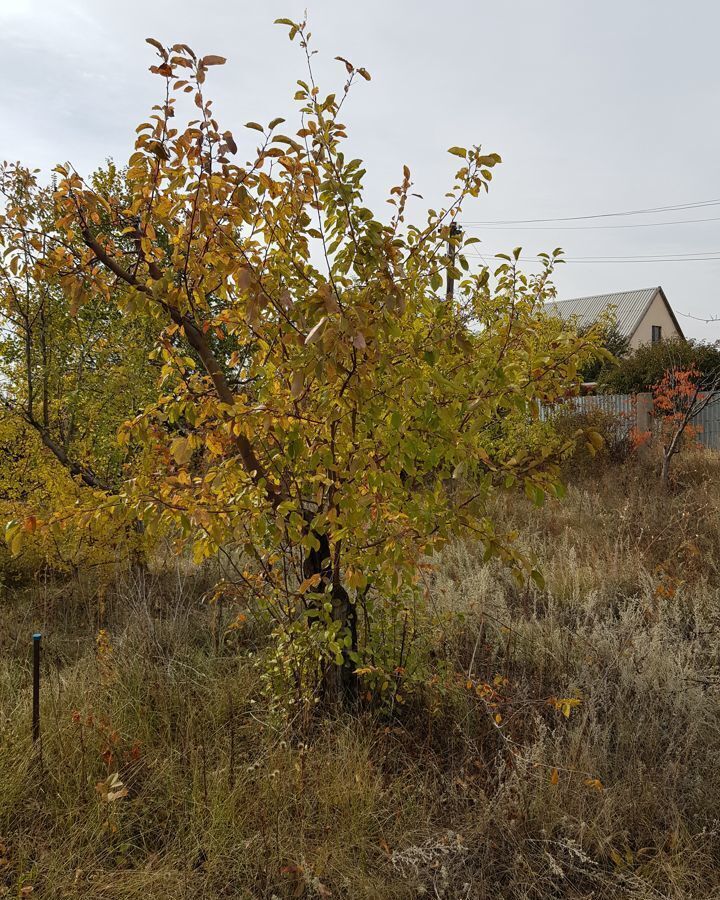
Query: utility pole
x=453, y=239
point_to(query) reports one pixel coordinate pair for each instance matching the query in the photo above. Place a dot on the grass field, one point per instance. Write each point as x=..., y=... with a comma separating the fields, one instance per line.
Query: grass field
x=464, y=791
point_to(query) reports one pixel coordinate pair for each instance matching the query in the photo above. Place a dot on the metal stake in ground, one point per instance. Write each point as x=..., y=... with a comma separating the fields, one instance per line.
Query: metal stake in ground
x=36, y=689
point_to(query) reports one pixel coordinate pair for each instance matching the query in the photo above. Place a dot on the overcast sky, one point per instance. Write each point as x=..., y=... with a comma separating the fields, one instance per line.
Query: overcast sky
x=595, y=107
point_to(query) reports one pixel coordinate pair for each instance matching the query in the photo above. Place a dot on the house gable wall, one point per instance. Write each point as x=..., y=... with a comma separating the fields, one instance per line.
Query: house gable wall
x=657, y=314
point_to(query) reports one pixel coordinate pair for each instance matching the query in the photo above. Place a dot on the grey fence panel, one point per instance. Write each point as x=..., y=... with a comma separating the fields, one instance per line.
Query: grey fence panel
x=621, y=406
x=625, y=408
x=707, y=423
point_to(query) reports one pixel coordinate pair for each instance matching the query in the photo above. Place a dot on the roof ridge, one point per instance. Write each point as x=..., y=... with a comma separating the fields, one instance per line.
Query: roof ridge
x=606, y=294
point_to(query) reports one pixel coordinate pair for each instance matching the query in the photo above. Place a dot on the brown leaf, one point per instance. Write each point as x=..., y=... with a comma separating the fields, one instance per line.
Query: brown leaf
x=156, y=148
x=158, y=46
x=348, y=65
x=329, y=298
x=244, y=278
x=213, y=61
x=184, y=47
x=111, y=789
x=230, y=141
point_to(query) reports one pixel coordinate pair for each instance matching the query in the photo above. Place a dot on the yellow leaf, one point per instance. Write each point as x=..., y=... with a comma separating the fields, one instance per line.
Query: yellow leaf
x=181, y=451
x=567, y=705
x=298, y=382
x=214, y=445
x=311, y=582
x=554, y=777
x=16, y=542
x=564, y=704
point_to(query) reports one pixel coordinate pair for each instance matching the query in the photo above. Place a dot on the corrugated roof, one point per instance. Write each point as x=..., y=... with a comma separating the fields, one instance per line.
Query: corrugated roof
x=629, y=306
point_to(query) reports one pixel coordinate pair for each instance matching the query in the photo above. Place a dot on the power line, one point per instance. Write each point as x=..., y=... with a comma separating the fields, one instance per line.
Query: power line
x=630, y=212
x=605, y=256
x=624, y=259
x=601, y=261
x=520, y=227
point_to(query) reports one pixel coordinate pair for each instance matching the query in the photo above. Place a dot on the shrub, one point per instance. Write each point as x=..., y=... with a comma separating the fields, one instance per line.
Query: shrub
x=648, y=364
x=615, y=431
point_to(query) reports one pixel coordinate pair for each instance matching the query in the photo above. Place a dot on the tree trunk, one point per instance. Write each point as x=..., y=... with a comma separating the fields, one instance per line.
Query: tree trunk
x=339, y=687
x=665, y=470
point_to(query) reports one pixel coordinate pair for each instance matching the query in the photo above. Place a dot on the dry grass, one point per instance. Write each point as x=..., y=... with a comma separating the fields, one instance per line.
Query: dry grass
x=440, y=801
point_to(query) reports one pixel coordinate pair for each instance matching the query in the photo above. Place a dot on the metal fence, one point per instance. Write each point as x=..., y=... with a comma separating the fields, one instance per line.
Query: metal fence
x=707, y=424
x=622, y=407
x=633, y=411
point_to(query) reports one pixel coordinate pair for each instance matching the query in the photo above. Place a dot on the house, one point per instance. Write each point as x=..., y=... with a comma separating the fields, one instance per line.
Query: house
x=643, y=317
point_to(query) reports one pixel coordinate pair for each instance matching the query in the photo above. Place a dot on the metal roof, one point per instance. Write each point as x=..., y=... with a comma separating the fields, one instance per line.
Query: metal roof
x=629, y=308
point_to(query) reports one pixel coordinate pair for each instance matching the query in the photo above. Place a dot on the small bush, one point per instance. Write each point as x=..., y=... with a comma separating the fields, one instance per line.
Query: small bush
x=616, y=432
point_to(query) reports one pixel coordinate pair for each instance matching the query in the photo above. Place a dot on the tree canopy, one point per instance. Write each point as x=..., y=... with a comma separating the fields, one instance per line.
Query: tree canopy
x=325, y=415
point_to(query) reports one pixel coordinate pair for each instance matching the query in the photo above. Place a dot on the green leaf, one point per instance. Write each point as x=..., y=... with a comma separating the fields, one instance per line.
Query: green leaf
x=256, y=126
x=458, y=151
x=538, y=578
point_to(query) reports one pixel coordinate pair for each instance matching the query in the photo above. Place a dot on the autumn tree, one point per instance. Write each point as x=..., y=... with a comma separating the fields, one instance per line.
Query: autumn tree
x=326, y=418
x=72, y=367
x=679, y=398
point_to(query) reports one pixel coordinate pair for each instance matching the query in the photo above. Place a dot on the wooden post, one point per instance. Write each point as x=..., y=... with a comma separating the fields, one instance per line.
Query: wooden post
x=455, y=232
x=36, y=689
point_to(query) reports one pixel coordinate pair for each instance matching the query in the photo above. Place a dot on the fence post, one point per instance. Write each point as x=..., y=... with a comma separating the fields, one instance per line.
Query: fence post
x=36, y=688
x=643, y=412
